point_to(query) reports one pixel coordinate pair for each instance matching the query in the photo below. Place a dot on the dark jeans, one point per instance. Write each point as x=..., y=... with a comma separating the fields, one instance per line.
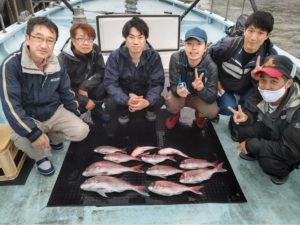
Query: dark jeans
x=228, y=99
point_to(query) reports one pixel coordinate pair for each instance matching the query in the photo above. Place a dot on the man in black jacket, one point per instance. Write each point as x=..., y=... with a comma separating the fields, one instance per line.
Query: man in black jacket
x=85, y=67
x=236, y=57
x=36, y=96
x=193, y=80
x=270, y=133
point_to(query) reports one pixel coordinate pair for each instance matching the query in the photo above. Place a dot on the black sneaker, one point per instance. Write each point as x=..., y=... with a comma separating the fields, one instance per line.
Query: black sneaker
x=58, y=146
x=233, y=130
x=101, y=114
x=123, y=119
x=150, y=116
x=248, y=156
x=278, y=180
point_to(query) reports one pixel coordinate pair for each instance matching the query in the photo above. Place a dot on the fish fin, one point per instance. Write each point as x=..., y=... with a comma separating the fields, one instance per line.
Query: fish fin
x=219, y=167
x=215, y=163
x=102, y=193
x=137, y=168
x=196, y=189
x=141, y=190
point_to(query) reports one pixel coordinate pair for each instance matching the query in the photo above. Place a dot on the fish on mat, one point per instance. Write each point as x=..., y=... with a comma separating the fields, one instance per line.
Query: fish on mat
x=106, y=149
x=119, y=157
x=192, y=163
x=163, y=171
x=172, y=151
x=107, y=184
x=199, y=175
x=168, y=188
x=109, y=168
x=155, y=159
x=141, y=149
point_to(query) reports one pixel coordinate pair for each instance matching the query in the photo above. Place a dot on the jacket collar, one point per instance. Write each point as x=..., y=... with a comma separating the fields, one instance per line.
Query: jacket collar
x=28, y=66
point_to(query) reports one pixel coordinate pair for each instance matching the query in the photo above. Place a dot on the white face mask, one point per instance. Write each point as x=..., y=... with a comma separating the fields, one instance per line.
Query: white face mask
x=272, y=96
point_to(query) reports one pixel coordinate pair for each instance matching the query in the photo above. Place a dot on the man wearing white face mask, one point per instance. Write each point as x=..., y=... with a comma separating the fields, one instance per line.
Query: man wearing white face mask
x=270, y=133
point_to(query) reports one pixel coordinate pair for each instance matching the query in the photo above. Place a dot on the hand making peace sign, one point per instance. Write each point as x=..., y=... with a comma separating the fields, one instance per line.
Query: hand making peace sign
x=197, y=83
x=257, y=67
x=238, y=115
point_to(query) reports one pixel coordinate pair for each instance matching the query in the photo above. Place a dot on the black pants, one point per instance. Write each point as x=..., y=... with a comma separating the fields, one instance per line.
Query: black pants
x=270, y=163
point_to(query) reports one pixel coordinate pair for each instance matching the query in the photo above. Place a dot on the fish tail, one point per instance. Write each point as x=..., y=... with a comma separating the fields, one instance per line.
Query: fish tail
x=196, y=189
x=123, y=150
x=141, y=190
x=219, y=167
x=215, y=163
x=137, y=168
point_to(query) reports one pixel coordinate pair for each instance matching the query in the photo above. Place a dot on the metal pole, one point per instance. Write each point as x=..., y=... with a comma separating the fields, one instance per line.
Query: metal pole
x=189, y=9
x=2, y=24
x=44, y=7
x=227, y=9
x=243, y=7
x=253, y=4
x=16, y=11
x=211, y=6
x=31, y=7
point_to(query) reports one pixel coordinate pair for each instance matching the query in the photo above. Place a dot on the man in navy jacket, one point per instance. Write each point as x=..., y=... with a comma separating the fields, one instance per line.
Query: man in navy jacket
x=134, y=76
x=36, y=96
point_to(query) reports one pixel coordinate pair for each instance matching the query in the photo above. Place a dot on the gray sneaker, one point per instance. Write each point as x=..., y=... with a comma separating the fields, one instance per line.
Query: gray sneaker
x=150, y=116
x=123, y=119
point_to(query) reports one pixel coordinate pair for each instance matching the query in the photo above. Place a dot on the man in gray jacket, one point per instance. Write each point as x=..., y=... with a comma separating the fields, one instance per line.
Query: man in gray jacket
x=193, y=80
x=36, y=96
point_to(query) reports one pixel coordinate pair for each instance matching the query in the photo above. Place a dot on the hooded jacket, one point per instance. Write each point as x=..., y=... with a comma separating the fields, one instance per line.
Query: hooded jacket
x=122, y=76
x=85, y=71
x=179, y=71
x=284, y=128
x=29, y=94
x=227, y=54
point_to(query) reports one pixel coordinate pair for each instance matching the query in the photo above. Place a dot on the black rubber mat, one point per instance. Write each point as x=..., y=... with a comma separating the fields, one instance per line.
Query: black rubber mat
x=204, y=144
x=23, y=175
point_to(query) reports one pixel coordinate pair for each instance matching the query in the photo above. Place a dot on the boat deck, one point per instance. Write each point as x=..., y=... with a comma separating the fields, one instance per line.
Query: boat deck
x=266, y=203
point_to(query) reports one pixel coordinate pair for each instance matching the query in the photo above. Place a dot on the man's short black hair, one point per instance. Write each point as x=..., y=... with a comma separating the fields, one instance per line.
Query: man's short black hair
x=44, y=21
x=262, y=20
x=138, y=24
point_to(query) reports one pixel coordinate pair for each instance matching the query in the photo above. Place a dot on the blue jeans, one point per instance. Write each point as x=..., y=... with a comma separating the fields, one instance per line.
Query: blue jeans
x=228, y=99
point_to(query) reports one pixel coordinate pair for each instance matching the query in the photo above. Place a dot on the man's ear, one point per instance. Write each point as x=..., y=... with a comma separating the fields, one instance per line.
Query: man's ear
x=27, y=39
x=289, y=83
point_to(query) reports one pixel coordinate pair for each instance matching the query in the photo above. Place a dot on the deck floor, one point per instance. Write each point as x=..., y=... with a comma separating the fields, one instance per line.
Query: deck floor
x=267, y=203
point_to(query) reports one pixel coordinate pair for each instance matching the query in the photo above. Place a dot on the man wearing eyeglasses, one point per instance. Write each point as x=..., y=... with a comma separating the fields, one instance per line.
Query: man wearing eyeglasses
x=36, y=96
x=85, y=67
x=134, y=75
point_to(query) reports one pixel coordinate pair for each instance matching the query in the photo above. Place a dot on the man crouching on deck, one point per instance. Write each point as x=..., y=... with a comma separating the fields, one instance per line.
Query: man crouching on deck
x=134, y=75
x=269, y=132
x=36, y=96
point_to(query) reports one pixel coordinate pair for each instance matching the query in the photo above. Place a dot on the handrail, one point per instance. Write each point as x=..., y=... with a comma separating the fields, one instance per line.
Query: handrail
x=189, y=9
x=68, y=5
x=2, y=24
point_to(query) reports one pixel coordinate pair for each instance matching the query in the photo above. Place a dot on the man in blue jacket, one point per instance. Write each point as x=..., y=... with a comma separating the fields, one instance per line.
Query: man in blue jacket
x=134, y=76
x=36, y=96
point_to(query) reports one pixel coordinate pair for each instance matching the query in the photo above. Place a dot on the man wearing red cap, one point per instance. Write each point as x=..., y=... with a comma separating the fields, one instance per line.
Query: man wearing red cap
x=270, y=133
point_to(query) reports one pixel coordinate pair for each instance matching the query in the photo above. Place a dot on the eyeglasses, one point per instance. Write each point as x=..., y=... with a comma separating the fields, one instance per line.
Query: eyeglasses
x=83, y=40
x=40, y=40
